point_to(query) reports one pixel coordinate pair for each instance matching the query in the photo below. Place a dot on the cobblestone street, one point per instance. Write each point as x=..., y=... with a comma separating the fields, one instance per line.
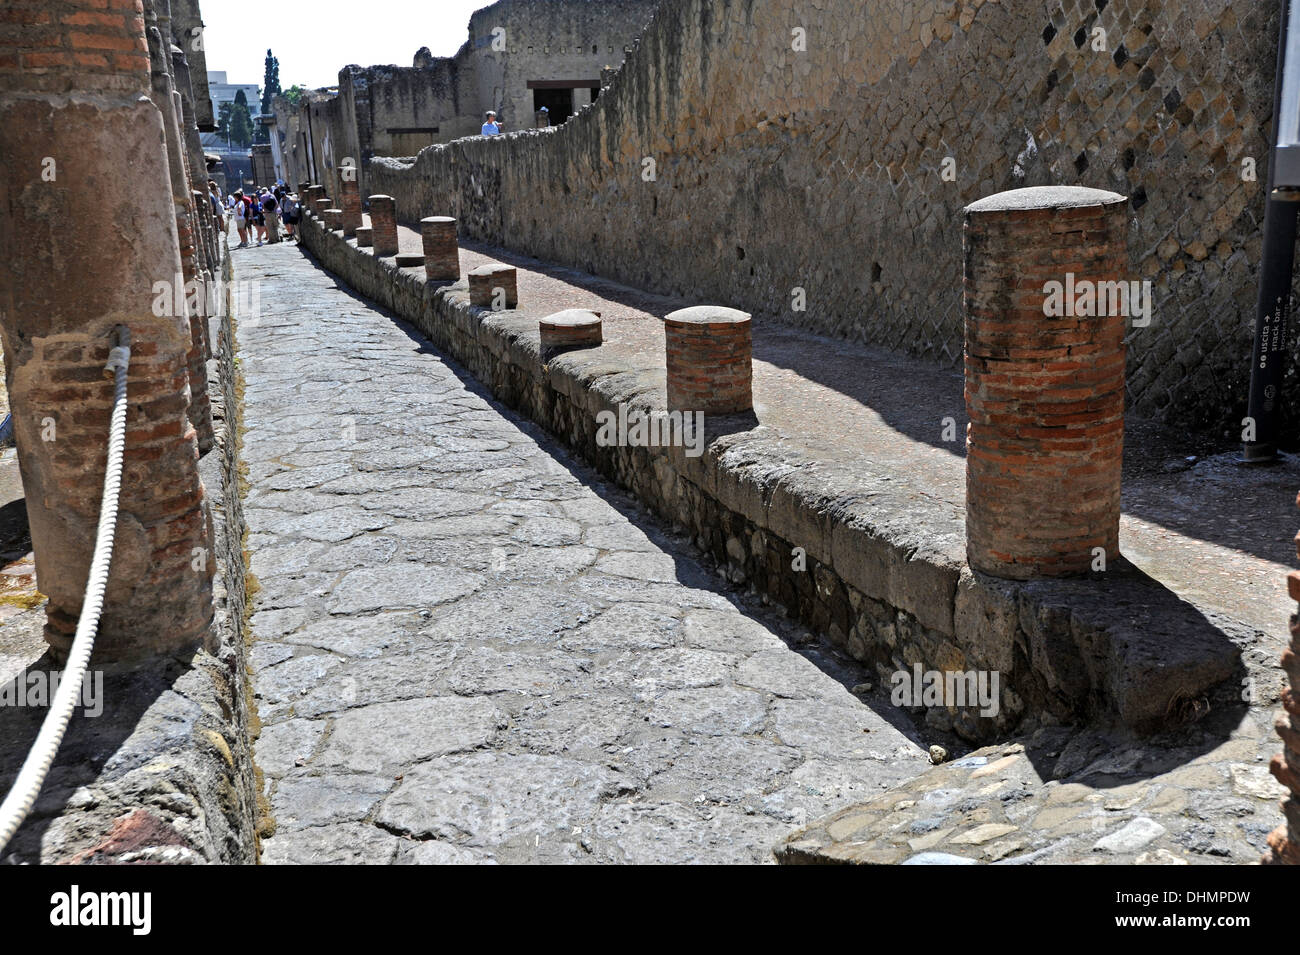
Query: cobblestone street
x=468, y=647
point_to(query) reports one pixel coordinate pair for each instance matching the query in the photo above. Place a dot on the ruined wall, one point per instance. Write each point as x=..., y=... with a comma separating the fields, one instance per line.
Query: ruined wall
x=395, y=111
x=824, y=169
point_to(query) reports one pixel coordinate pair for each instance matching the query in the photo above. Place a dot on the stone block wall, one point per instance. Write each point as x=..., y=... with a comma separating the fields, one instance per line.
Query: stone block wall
x=726, y=164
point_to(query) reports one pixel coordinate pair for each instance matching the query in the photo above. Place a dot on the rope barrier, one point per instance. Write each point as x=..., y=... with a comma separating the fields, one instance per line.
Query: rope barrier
x=22, y=796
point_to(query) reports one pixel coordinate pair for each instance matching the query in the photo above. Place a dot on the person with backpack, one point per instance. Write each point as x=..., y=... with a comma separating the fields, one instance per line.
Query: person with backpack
x=271, y=216
x=289, y=213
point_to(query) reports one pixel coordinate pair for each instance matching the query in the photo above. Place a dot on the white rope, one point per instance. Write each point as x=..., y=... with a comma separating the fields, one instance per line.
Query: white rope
x=31, y=777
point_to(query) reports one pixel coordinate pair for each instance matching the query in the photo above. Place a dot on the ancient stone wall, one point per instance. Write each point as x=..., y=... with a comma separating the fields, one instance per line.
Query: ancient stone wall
x=396, y=111
x=750, y=148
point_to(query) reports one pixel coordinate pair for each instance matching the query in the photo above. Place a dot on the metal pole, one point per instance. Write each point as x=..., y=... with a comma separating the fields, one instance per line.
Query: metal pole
x=1273, y=306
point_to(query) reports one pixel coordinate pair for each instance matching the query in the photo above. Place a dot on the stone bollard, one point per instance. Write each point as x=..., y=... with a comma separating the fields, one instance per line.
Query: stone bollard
x=383, y=225
x=1044, y=379
x=349, y=199
x=710, y=360
x=333, y=218
x=571, y=328
x=409, y=260
x=484, y=283
x=314, y=195
x=320, y=206
x=441, y=251
x=365, y=237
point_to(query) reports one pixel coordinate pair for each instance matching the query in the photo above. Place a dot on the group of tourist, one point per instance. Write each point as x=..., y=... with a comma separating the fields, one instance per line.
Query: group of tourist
x=260, y=214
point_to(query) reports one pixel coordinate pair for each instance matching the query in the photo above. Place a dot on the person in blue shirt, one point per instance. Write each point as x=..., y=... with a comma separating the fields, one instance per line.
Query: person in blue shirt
x=493, y=125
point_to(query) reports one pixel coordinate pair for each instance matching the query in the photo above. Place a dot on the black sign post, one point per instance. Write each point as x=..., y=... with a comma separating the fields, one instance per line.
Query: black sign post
x=1273, y=307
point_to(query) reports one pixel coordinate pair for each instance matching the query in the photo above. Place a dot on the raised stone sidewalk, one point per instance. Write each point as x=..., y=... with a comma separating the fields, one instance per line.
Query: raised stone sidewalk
x=855, y=456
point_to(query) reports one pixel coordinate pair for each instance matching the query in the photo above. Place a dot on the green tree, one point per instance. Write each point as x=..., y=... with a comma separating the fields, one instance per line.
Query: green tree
x=239, y=126
x=270, y=82
x=295, y=93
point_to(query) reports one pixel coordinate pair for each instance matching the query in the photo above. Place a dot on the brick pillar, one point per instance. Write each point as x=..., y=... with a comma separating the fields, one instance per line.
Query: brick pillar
x=571, y=328
x=441, y=250
x=315, y=195
x=320, y=207
x=1284, y=841
x=710, y=360
x=349, y=200
x=110, y=179
x=484, y=282
x=365, y=237
x=188, y=229
x=383, y=224
x=333, y=218
x=1044, y=392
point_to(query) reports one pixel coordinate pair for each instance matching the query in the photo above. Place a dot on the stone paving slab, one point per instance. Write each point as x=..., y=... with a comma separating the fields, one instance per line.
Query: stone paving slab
x=470, y=648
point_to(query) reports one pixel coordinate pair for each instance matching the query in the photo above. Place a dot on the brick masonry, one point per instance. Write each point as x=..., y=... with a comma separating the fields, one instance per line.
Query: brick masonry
x=383, y=225
x=1044, y=392
x=710, y=363
x=866, y=147
x=350, y=200
x=571, y=328
x=484, y=282
x=441, y=250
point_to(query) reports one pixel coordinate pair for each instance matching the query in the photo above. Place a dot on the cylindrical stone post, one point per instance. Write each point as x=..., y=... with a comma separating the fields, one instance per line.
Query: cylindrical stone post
x=486, y=280
x=333, y=218
x=314, y=195
x=365, y=236
x=349, y=199
x=571, y=328
x=383, y=224
x=1046, y=294
x=710, y=360
x=441, y=250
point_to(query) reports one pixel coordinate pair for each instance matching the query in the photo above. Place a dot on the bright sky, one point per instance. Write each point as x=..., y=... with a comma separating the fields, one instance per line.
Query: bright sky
x=313, y=39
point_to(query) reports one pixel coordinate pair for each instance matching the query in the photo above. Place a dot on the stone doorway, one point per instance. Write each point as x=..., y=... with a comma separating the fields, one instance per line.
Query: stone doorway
x=558, y=102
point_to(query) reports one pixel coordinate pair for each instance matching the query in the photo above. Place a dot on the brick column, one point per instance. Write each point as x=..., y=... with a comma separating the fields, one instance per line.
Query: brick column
x=571, y=328
x=1284, y=841
x=383, y=225
x=316, y=194
x=365, y=237
x=441, y=250
x=1044, y=391
x=111, y=179
x=710, y=360
x=320, y=207
x=333, y=218
x=349, y=200
x=484, y=282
